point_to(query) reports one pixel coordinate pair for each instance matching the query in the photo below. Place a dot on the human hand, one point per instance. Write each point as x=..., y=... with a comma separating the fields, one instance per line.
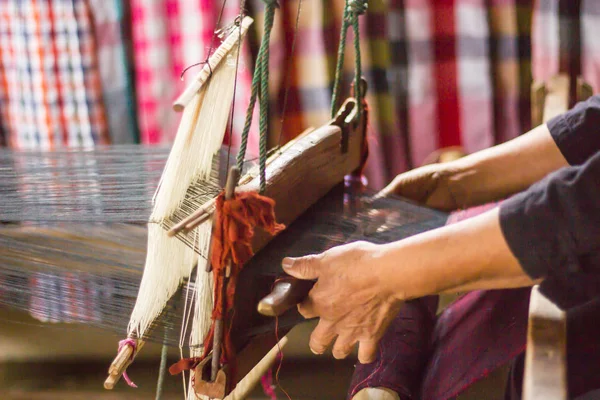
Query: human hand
x=436, y=186
x=351, y=297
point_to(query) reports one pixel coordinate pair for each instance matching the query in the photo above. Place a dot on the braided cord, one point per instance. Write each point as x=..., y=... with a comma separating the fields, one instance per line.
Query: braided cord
x=357, y=64
x=340, y=62
x=249, y=113
x=353, y=9
x=264, y=95
x=260, y=89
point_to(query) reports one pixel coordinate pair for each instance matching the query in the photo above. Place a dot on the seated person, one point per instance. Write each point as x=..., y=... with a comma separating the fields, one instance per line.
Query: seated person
x=547, y=232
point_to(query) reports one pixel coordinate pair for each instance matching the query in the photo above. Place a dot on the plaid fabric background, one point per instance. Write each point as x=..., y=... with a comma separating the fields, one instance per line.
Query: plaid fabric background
x=114, y=65
x=440, y=73
x=557, y=24
x=50, y=89
x=168, y=36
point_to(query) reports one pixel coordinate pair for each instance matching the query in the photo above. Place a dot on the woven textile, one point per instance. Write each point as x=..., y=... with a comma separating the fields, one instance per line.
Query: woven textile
x=440, y=73
x=168, y=36
x=557, y=26
x=111, y=25
x=50, y=89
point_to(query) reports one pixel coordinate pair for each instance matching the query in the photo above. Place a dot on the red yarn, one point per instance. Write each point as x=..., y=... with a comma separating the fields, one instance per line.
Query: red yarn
x=235, y=221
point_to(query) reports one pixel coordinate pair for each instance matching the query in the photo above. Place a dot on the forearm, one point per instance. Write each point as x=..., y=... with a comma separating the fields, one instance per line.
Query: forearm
x=468, y=255
x=505, y=169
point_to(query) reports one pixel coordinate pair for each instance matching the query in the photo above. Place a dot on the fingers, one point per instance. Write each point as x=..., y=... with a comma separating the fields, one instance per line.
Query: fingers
x=302, y=268
x=307, y=308
x=321, y=337
x=343, y=346
x=367, y=351
x=414, y=185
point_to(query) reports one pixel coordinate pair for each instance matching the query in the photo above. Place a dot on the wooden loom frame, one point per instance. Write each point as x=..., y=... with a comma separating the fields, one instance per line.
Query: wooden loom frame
x=298, y=175
x=304, y=171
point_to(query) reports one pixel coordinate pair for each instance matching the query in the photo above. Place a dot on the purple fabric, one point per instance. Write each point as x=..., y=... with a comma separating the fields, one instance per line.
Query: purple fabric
x=436, y=358
x=477, y=334
x=403, y=351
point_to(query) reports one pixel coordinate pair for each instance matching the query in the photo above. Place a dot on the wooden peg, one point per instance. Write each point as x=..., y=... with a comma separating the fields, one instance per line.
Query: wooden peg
x=584, y=89
x=123, y=359
x=213, y=63
x=287, y=293
x=213, y=389
x=194, y=219
x=232, y=179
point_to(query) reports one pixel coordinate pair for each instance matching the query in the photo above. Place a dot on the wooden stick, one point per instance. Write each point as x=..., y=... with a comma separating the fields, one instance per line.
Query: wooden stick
x=248, y=383
x=545, y=359
x=197, y=222
x=213, y=62
x=545, y=372
x=232, y=179
x=123, y=359
x=206, y=209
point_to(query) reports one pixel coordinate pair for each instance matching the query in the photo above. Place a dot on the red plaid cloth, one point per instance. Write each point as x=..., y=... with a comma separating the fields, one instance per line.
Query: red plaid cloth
x=50, y=89
x=440, y=73
x=555, y=22
x=168, y=36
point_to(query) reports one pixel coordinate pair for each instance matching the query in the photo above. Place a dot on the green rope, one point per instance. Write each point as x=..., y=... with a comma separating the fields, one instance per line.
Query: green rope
x=260, y=84
x=248, y=123
x=357, y=62
x=264, y=94
x=353, y=9
x=340, y=62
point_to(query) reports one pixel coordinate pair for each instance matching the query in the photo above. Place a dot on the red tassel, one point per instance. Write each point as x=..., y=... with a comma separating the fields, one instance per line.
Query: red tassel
x=236, y=220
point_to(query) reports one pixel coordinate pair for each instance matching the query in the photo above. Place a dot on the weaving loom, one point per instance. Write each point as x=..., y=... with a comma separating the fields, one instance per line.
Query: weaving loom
x=76, y=218
x=73, y=268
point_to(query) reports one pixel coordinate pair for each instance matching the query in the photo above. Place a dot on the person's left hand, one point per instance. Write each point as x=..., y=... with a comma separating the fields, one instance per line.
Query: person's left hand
x=352, y=298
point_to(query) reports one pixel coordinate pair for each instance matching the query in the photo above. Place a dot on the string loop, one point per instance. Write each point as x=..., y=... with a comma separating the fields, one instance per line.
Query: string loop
x=353, y=9
x=260, y=84
x=358, y=7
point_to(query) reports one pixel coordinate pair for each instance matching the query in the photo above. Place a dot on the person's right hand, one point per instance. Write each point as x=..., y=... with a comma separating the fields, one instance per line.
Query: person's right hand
x=435, y=185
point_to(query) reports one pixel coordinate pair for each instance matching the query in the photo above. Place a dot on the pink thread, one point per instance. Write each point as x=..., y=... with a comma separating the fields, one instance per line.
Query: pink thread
x=133, y=344
x=267, y=385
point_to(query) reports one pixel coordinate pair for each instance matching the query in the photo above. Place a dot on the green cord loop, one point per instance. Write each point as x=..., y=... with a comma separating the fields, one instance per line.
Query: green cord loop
x=260, y=79
x=353, y=9
x=260, y=90
x=358, y=7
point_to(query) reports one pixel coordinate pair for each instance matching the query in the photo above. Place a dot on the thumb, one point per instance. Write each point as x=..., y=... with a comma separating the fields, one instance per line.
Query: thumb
x=302, y=268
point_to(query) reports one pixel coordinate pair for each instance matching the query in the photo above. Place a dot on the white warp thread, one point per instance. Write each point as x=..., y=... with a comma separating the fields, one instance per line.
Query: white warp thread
x=169, y=261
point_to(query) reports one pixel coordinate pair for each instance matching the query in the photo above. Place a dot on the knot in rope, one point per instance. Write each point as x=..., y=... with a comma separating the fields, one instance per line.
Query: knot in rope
x=271, y=3
x=353, y=10
x=357, y=7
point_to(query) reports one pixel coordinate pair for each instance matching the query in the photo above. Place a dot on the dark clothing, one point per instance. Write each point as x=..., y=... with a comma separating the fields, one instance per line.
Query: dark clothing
x=553, y=228
x=427, y=357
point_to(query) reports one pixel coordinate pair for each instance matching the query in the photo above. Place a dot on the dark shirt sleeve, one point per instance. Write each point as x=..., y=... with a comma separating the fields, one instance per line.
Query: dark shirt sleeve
x=553, y=228
x=577, y=132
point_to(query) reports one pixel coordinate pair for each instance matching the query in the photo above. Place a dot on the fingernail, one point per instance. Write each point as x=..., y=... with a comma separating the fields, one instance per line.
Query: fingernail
x=314, y=351
x=288, y=262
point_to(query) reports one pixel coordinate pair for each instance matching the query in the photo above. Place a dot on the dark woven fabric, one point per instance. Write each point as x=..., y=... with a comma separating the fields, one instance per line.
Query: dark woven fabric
x=403, y=351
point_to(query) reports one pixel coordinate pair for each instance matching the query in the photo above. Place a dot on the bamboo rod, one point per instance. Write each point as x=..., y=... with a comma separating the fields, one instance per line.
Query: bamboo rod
x=232, y=179
x=214, y=61
x=123, y=359
x=248, y=383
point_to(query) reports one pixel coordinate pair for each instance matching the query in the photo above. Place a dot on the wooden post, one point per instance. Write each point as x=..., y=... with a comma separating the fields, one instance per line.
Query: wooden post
x=545, y=360
x=545, y=375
